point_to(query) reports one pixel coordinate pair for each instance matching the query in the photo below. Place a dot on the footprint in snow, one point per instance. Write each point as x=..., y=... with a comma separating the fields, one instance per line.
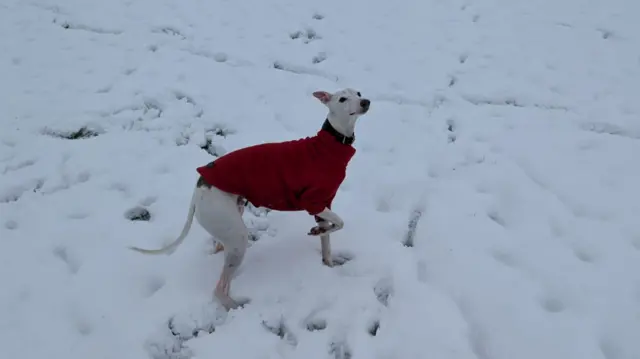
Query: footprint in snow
x=451, y=125
x=383, y=291
x=14, y=193
x=584, y=255
x=79, y=134
x=315, y=324
x=605, y=34
x=340, y=350
x=181, y=96
x=167, y=347
x=83, y=327
x=170, y=339
x=120, y=187
x=552, y=305
x=203, y=319
x=422, y=273
x=453, y=80
x=129, y=71
x=280, y=329
x=610, y=349
x=72, y=26
x=182, y=139
x=320, y=57
x=383, y=202
x=11, y=225
x=341, y=258
x=83, y=177
x=433, y=172
x=62, y=253
x=414, y=220
x=19, y=166
x=496, y=217
x=556, y=227
x=105, y=89
x=78, y=215
x=307, y=35
x=483, y=187
x=373, y=328
x=220, y=57
x=212, y=148
x=138, y=213
x=170, y=31
x=504, y=257
x=153, y=285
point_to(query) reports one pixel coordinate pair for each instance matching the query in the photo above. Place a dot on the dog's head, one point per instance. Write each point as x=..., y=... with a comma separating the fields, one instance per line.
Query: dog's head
x=345, y=106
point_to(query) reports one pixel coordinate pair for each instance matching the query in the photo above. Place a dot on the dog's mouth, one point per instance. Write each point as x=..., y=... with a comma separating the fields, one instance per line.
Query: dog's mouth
x=361, y=112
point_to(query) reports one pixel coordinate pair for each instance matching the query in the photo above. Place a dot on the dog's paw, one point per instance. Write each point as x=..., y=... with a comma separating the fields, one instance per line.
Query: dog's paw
x=317, y=230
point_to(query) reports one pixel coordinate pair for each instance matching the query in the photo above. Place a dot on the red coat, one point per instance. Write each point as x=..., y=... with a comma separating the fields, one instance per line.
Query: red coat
x=288, y=176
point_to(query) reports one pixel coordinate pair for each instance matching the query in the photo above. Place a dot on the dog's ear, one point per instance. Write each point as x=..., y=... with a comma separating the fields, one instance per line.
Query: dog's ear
x=323, y=96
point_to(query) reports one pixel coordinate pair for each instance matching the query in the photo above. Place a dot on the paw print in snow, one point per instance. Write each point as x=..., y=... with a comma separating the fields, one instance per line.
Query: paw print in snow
x=11, y=225
x=320, y=57
x=138, y=213
x=307, y=35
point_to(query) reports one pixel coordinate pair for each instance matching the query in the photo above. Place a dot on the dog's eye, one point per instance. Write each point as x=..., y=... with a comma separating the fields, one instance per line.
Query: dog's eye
x=342, y=99
x=359, y=95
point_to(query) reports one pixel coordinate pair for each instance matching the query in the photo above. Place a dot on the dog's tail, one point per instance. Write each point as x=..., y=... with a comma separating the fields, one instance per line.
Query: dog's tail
x=171, y=247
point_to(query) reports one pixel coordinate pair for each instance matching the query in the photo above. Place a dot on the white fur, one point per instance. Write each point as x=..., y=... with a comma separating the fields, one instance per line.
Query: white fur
x=219, y=214
x=344, y=115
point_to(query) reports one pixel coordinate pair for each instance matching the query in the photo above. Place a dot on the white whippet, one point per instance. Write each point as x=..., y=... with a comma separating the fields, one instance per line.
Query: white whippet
x=219, y=211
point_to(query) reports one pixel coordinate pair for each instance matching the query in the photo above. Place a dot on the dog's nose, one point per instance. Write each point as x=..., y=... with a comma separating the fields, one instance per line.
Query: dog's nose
x=365, y=103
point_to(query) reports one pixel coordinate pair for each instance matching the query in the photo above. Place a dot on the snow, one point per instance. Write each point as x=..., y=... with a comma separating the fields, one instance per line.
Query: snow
x=491, y=208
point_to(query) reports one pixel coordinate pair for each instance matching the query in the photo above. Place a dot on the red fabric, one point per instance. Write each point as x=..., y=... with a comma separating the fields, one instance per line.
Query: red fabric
x=288, y=176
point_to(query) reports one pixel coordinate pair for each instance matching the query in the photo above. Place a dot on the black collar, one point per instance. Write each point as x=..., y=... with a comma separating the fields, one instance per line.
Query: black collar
x=340, y=137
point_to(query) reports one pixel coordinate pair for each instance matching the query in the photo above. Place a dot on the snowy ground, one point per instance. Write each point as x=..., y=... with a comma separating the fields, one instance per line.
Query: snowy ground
x=508, y=131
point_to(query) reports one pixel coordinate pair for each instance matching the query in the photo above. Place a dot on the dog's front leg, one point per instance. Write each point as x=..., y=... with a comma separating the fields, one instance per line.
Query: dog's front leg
x=325, y=243
x=328, y=221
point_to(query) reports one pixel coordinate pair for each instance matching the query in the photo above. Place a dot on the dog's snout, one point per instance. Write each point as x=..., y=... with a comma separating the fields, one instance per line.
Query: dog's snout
x=365, y=103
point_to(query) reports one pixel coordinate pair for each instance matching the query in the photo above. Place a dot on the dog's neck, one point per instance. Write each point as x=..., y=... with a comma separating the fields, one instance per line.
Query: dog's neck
x=344, y=127
x=346, y=140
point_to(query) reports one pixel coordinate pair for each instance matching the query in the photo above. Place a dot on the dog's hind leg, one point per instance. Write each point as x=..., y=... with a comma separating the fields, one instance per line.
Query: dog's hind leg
x=233, y=257
x=218, y=247
x=218, y=214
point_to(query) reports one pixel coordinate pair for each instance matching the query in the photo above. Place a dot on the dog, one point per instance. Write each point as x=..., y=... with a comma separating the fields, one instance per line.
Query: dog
x=297, y=175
